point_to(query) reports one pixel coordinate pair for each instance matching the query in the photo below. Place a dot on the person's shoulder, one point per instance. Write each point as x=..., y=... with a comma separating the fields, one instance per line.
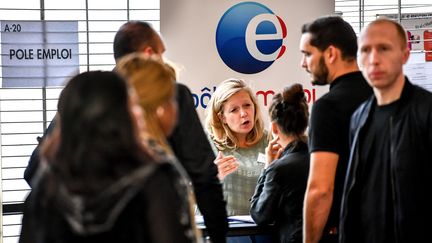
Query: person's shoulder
x=153, y=168
x=182, y=88
x=281, y=163
x=359, y=88
x=422, y=93
x=298, y=151
x=421, y=101
x=361, y=111
x=351, y=85
x=323, y=105
x=162, y=170
x=163, y=175
x=289, y=164
x=351, y=78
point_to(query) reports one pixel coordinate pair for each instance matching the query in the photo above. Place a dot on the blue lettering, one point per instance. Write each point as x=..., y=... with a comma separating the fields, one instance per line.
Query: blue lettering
x=201, y=100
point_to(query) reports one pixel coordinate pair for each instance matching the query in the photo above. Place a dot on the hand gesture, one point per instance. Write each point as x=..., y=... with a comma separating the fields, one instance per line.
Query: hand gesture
x=225, y=164
x=273, y=151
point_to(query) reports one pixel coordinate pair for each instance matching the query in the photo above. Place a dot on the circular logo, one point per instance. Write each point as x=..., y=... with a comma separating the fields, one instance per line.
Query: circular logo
x=249, y=37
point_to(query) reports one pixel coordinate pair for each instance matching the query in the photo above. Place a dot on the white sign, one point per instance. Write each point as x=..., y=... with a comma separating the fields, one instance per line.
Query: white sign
x=255, y=41
x=38, y=53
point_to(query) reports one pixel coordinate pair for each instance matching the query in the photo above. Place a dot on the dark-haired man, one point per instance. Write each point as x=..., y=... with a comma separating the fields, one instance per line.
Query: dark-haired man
x=329, y=47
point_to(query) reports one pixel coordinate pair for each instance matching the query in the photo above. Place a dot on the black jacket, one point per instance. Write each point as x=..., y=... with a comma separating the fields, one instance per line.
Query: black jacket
x=411, y=165
x=129, y=209
x=280, y=192
x=193, y=150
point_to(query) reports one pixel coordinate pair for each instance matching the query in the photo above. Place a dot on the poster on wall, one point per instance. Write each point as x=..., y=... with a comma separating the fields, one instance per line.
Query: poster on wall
x=38, y=53
x=257, y=41
x=419, y=32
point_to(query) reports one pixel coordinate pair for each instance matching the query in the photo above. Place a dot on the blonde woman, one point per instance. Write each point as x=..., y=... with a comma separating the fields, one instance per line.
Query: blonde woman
x=235, y=126
x=154, y=85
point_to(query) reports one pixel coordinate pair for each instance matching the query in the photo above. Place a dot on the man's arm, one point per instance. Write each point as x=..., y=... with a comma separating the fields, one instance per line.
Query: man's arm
x=192, y=148
x=319, y=194
x=34, y=160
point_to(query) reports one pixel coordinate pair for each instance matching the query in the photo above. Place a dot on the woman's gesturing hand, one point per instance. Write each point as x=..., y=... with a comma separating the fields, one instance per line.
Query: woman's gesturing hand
x=225, y=164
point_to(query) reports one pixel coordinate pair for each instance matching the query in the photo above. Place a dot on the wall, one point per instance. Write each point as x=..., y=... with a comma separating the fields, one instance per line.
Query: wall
x=188, y=28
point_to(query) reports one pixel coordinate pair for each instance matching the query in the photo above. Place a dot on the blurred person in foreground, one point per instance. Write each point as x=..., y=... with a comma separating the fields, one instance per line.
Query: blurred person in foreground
x=385, y=195
x=96, y=182
x=188, y=140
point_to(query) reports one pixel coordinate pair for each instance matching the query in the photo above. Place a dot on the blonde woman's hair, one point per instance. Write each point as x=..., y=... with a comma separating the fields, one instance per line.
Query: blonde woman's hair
x=220, y=133
x=154, y=83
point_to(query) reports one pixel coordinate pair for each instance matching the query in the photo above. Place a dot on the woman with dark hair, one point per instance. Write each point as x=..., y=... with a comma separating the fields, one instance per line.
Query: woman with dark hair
x=96, y=182
x=281, y=186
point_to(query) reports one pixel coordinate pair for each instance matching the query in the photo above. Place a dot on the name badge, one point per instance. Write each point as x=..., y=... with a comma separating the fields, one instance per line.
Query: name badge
x=261, y=158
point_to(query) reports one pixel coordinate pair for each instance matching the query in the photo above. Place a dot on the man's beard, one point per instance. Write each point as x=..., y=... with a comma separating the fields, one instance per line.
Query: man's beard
x=321, y=75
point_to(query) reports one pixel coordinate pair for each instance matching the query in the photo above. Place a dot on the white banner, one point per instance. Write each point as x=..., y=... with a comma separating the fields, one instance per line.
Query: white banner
x=38, y=53
x=256, y=41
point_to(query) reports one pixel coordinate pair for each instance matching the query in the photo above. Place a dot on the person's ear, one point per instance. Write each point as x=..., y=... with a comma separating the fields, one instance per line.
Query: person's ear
x=221, y=117
x=406, y=54
x=148, y=50
x=274, y=128
x=331, y=53
x=160, y=111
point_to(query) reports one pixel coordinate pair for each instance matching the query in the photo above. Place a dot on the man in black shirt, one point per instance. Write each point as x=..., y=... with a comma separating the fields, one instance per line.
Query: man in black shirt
x=385, y=198
x=188, y=140
x=373, y=174
x=329, y=47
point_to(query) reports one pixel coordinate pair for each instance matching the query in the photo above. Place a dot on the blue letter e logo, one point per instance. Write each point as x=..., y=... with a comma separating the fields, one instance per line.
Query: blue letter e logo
x=249, y=37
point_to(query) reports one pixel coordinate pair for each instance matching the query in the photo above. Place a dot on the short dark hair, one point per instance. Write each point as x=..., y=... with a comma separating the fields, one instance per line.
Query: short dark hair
x=333, y=30
x=132, y=36
x=289, y=110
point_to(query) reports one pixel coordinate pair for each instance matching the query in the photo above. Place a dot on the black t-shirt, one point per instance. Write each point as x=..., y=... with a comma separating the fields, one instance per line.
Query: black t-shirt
x=374, y=184
x=329, y=127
